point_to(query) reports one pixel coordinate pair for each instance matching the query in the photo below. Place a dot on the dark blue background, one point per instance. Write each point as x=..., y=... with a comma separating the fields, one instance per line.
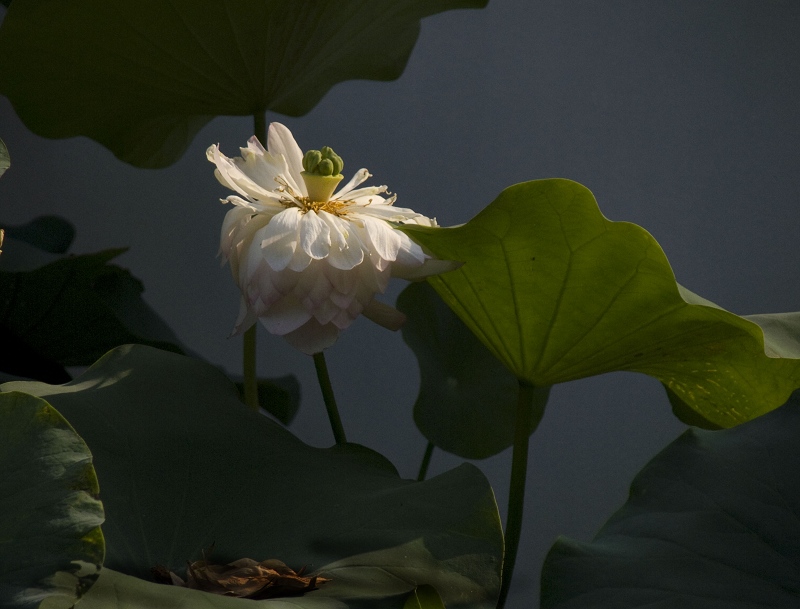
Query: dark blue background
x=680, y=116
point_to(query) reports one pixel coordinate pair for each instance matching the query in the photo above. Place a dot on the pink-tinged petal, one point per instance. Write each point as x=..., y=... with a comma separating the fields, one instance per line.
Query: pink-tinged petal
x=254, y=145
x=361, y=176
x=313, y=337
x=250, y=258
x=346, y=317
x=315, y=236
x=385, y=240
x=281, y=141
x=245, y=319
x=345, y=286
x=342, y=300
x=284, y=316
x=325, y=312
x=384, y=315
x=267, y=294
x=284, y=281
x=300, y=261
x=278, y=239
x=313, y=289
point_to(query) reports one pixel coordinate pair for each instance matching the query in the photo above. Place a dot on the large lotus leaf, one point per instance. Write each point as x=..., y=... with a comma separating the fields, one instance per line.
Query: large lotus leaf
x=424, y=597
x=185, y=465
x=278, y=396
x=711, y=523
x=467, y=399
x=66, y=321
x=51, y=234
x=558, y=292
x=70, y=312
x=115, y=590
x=51, y=547
x=143, y=76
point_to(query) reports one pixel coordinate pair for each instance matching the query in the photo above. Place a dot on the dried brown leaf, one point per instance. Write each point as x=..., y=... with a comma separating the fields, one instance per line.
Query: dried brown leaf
x=242, y=578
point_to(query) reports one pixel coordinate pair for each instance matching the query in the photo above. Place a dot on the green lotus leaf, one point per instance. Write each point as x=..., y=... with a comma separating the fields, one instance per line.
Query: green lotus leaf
x=51, y=546
x=558, y=292
x=52, y=306
x=115, y=590
x=143, y=76
x=467, y=399
x=70, y=312
x=51, y=234
x=185, y=465
x=278, y=396
x=424, y=597
x=711, y=523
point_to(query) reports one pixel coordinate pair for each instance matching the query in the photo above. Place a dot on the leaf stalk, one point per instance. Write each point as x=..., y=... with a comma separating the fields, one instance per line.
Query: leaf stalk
x=516, y=495
x=330, y=401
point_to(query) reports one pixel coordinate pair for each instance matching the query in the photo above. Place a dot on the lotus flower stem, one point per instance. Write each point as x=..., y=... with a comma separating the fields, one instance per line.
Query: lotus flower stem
x=516, y=495
x=426, y=461
x=260, y=127
x=330, y=400
x=249, y=343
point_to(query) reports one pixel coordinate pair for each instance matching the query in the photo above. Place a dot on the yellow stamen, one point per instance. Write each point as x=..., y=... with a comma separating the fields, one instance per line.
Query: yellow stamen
x=337, y=208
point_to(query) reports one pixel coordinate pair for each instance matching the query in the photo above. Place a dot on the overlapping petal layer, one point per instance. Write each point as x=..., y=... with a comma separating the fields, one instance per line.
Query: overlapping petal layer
x=307, y=269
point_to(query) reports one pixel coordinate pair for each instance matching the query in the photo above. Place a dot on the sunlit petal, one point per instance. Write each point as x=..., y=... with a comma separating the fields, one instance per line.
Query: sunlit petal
x=308, y=268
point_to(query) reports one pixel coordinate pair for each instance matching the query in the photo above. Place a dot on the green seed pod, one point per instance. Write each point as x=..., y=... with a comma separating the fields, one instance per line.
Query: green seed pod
x=325, y=168
x=338, y=164
x=311, y=160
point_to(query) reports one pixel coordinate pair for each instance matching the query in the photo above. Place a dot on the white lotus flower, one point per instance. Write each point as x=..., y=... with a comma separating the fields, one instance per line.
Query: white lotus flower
x=308, y=262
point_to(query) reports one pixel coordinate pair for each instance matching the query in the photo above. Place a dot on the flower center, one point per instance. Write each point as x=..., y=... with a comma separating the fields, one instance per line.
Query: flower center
x=290, y=198
x=322, y=173
x=337, y=208
x=324, y=162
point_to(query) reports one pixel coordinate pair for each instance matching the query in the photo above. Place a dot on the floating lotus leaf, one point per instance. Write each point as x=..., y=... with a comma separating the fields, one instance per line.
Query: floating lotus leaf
x=143, y=76
x=558, y=292
x=467, y=399
x=115, y=590
x=51, y=547
x=711, y=523
x=184, y=464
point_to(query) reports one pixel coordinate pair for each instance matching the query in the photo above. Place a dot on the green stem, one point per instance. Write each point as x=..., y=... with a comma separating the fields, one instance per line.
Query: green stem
x=260, y=127
x=516, y=495
x=330, y=400
x=249, y=343
x=426, y=461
